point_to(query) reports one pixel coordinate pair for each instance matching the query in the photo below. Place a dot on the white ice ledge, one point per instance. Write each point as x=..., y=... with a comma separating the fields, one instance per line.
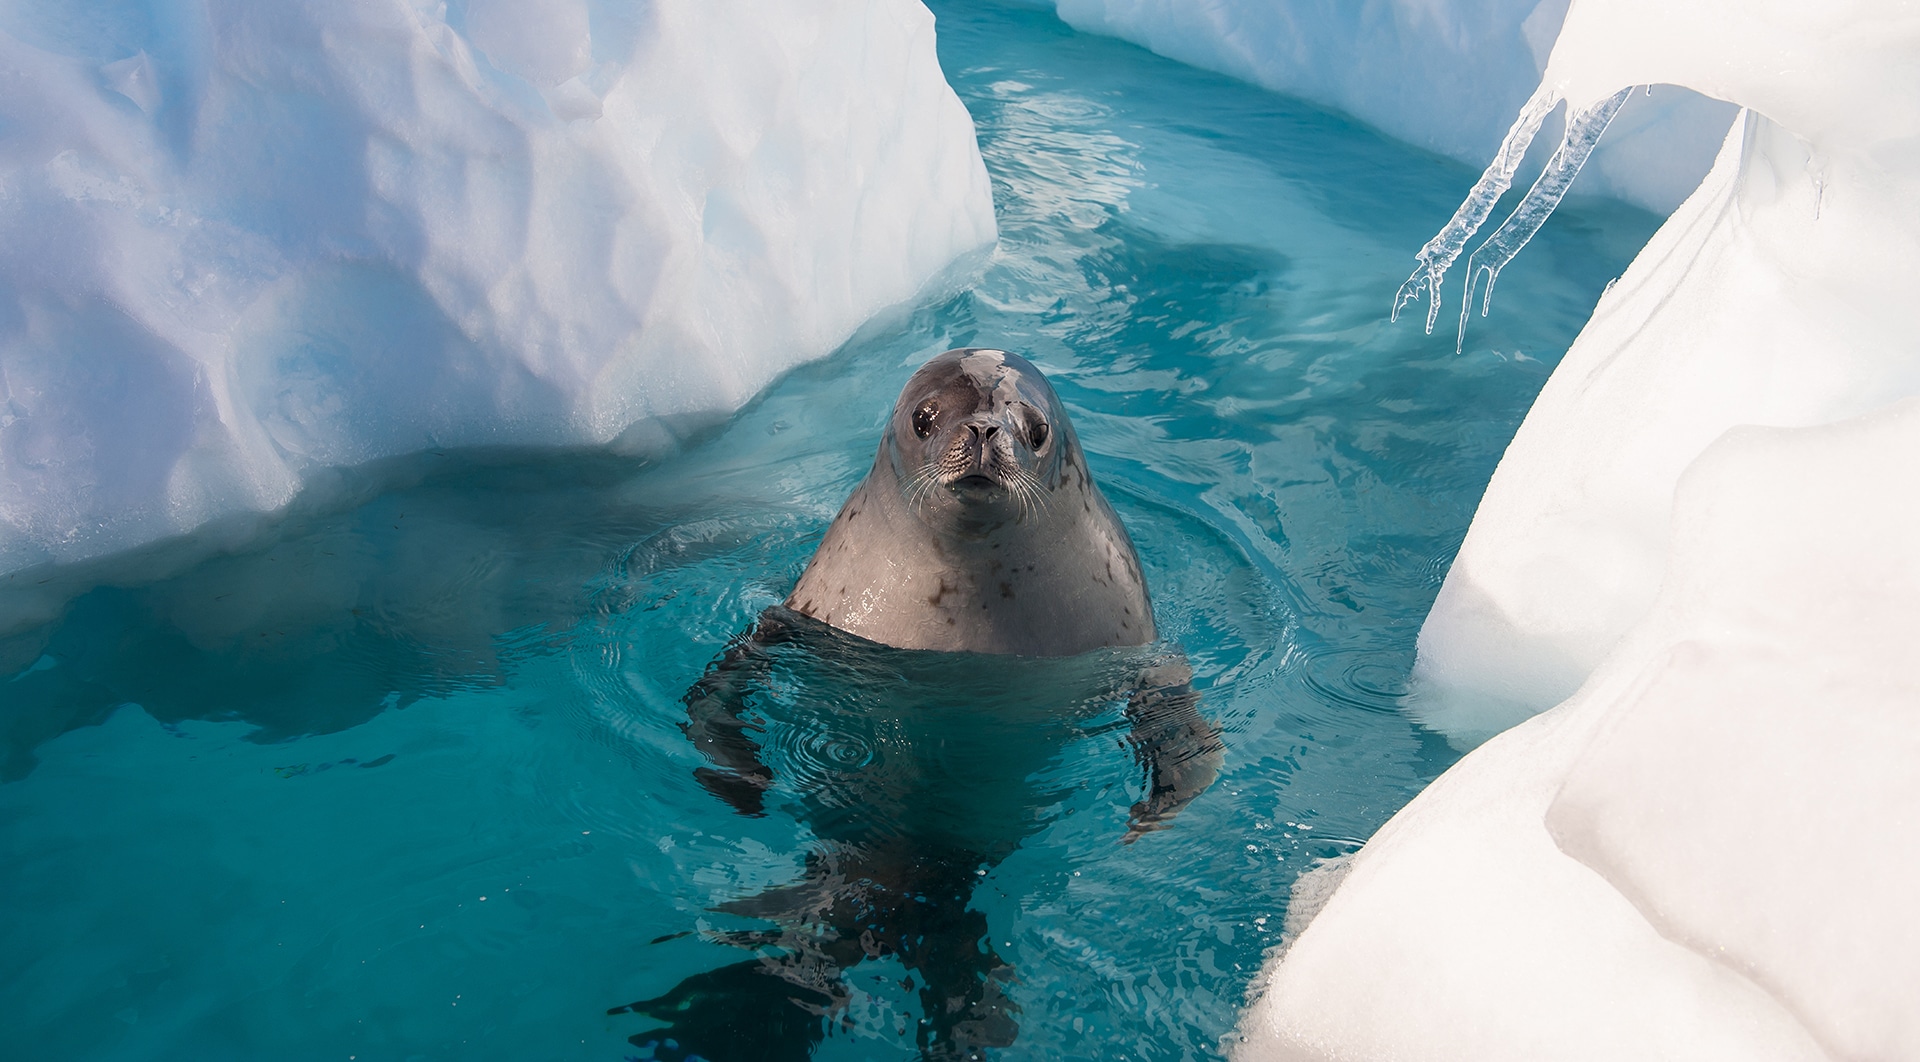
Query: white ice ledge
x=1703, y=539
x=242, y=242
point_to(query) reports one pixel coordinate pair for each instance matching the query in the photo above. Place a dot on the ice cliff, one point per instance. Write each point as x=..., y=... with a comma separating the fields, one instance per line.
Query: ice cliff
x=1447, y=76
x=1701, y=546
x=240, y=242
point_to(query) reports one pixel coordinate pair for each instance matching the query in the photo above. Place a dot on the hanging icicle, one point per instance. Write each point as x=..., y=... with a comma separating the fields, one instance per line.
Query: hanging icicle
x=1439, y=253
x=1582, y=134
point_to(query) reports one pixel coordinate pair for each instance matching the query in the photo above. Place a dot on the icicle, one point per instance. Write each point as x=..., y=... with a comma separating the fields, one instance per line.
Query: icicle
x=1440, y=251
x=1583, y=132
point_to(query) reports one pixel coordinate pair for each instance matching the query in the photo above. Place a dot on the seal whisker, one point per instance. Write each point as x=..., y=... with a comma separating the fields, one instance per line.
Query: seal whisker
x=1031, y=492
x=1029, y=498
x=920, y=484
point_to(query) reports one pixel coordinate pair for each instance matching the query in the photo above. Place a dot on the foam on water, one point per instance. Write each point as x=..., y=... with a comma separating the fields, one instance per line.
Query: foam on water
x=407, y=778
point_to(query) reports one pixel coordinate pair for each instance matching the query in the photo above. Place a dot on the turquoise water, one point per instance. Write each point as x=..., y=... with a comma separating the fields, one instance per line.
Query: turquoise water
x=406, y=779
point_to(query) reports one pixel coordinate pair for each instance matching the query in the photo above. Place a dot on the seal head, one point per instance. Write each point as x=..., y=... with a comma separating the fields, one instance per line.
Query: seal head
x=978, y=528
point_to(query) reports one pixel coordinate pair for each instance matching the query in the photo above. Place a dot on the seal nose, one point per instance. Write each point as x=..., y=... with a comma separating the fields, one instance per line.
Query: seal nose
x=980, y=443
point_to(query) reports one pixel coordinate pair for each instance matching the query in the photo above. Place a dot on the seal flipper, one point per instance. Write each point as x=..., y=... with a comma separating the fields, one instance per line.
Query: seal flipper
x=1177, y=749
x=745, y=1012
x=715, y=724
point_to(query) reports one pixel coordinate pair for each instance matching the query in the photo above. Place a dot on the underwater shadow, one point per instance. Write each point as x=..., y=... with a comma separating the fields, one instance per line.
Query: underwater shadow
x=426, y=577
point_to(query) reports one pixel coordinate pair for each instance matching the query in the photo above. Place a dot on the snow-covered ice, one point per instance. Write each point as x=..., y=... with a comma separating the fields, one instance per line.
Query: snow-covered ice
x=1776, y=295
x=1701, y=855
x=1447, y=76
x=1700, y=543
x=243, y=242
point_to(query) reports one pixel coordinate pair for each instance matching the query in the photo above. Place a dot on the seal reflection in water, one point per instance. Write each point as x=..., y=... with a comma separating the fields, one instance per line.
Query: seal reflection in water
x=977, y=531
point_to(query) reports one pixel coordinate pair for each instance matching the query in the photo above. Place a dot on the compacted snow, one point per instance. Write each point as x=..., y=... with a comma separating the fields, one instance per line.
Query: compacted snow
x=1702, y=538
x=242, y=242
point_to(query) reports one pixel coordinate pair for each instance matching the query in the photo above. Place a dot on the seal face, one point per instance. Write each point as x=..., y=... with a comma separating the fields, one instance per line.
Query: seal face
x=978, y=528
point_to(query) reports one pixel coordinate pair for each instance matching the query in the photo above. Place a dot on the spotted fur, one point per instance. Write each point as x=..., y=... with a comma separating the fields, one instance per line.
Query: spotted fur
x=978, y=528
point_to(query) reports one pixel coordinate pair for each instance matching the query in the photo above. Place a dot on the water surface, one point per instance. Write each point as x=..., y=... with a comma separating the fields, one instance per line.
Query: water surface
x=406, y=780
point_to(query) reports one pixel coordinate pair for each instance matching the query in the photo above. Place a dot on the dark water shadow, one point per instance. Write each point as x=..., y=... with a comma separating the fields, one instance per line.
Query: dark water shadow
x=390, y=583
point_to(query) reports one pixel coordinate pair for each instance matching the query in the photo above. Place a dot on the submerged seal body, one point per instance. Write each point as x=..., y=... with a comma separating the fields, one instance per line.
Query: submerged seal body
x=979, y=528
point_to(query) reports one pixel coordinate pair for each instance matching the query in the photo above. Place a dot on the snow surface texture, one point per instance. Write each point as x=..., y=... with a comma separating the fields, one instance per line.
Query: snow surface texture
x=1447, y=76
x=1705, y=853
x=243, y=242
x=1706, y=526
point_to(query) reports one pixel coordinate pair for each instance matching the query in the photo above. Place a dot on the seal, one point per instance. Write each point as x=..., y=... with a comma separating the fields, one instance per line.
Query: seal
x=978, y=528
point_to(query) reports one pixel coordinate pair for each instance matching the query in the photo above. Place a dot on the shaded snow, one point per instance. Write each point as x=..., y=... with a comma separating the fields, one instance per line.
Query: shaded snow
x=1446, y=76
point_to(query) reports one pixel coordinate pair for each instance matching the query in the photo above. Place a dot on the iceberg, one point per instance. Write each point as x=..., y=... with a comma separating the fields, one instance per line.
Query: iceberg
x=1695, y=564
x=1445, y=76
x=241, y=244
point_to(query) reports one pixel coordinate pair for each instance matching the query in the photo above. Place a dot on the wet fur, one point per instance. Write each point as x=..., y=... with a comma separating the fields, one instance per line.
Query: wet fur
x=1035, y=565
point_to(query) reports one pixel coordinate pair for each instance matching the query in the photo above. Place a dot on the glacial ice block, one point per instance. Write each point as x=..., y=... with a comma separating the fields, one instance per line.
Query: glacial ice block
x=1754, y=795
x=242, y=242
x=1697, y=555
x=1770, y=298
x=1701, y=854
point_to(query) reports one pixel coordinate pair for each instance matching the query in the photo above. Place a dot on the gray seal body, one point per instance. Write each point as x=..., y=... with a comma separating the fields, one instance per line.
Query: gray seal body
x=979, y=528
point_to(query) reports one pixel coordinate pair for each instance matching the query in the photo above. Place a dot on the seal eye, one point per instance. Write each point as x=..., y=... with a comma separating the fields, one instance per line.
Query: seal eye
x=1038, y=433
x=923, y=418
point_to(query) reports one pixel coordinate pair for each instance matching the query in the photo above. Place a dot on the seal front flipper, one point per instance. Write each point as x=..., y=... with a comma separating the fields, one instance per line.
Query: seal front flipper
x=716, y=723
x=1177, y=749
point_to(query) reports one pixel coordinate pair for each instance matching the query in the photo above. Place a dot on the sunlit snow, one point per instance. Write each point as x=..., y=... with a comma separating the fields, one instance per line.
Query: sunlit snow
x=242, y=243
x=1700, y=545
